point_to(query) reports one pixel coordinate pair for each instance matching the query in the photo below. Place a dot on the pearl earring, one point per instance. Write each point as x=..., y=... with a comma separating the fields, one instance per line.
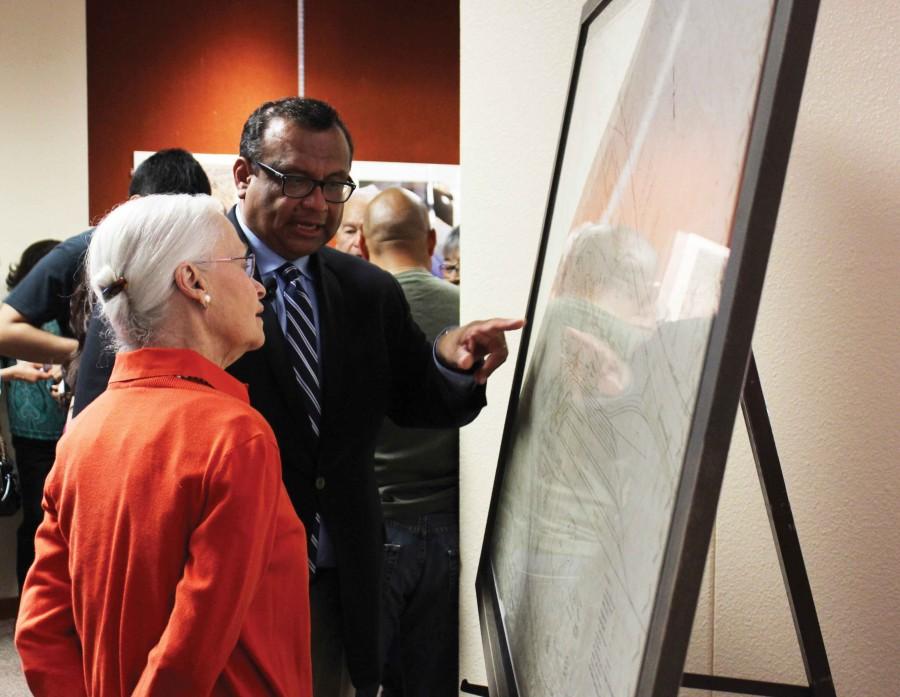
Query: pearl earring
x=206, y=301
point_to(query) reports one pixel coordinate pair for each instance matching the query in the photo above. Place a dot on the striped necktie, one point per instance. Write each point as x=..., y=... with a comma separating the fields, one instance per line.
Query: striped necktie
x=300, y=332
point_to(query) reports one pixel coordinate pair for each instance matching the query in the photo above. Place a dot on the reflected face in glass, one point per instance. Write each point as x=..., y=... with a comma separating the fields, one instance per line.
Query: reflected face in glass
x=295, y=227
x=450, y=267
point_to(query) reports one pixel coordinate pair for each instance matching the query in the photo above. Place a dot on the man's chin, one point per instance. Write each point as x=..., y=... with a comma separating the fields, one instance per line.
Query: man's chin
x=298, y=245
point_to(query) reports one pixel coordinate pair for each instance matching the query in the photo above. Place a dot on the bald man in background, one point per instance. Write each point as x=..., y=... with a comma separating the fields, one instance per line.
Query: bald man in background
x=346, y=239
x=418, y=474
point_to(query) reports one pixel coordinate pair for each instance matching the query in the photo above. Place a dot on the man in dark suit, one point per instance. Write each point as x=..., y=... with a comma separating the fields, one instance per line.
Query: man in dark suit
x=341, y=352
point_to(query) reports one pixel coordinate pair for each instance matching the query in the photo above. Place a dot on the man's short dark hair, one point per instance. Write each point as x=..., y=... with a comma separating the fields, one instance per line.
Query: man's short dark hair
x=31, y=256
x=171, y=171
x=311, y=114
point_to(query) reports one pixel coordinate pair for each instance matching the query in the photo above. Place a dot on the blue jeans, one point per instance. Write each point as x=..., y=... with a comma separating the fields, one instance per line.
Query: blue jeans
x=420, y=608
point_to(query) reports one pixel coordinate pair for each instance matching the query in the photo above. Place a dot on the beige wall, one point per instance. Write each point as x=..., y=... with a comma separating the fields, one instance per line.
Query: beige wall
x=43, y=131
x=43, y=122
x=826, y=341
x=515, y=57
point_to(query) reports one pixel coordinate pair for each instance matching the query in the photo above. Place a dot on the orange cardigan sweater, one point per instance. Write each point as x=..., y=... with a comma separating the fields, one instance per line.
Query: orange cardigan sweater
x=170, y=560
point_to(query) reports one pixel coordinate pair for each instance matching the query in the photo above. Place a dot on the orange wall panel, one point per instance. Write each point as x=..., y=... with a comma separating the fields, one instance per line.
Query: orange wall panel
x=392, y=71
x=178, y=74
x=187, y=74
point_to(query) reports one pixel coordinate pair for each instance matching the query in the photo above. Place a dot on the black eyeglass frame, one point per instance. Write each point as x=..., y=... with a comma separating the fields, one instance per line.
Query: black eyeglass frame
x=300, y=178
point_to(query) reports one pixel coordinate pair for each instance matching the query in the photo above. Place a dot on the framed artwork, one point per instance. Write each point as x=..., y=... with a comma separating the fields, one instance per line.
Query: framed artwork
x=659, y=221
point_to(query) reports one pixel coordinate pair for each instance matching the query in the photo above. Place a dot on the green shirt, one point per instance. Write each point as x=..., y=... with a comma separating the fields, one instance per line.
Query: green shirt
x=418, y=468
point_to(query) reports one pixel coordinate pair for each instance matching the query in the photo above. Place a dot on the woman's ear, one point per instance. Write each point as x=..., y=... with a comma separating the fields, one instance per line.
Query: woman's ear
x=190, y=282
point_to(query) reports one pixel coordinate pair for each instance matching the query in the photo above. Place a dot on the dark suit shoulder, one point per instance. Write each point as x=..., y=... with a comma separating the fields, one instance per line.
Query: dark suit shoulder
x=354, y=271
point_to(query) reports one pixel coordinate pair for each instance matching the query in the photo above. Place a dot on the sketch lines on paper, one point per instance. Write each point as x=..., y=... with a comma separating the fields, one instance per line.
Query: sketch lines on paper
x=601, y=427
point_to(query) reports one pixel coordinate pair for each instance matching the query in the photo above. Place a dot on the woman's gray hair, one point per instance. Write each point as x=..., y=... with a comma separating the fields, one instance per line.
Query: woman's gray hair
x=133, y=255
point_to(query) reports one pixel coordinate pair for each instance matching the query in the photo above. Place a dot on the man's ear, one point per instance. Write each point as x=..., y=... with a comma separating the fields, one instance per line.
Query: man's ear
x=432, y=242
x=190, y=282
x=363, y=247
x=242, y=170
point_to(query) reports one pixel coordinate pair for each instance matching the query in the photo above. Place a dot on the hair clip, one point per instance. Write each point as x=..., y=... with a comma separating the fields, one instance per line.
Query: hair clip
x=114, y=288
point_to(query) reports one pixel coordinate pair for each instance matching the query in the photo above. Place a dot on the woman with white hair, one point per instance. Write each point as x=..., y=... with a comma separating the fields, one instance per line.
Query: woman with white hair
x=170, y=560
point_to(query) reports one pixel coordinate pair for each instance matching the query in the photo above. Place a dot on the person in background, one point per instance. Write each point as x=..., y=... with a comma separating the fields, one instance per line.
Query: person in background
x=36, y=421
x=169, y=561
x=341, y=352
x=348, y=233
x=51, y=290
x=26, y=372
x=450, y=265
x=418, y=478
x=437, y=263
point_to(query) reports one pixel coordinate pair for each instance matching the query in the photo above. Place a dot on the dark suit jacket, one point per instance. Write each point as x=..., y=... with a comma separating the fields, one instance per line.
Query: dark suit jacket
x=375, y=361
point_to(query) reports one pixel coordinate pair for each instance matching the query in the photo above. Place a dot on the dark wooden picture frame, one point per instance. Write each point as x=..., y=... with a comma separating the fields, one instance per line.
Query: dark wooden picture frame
x=784, y=52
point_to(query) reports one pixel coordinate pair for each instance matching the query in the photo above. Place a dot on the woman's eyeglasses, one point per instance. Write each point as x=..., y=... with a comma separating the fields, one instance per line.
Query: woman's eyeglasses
x=248, y=259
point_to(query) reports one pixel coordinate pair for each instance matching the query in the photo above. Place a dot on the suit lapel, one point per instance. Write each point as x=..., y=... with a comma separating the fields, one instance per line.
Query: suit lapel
x=277, y=358
x=332, y=333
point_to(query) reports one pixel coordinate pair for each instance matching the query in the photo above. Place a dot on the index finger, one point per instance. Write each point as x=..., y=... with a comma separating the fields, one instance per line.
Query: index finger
x=500, y=324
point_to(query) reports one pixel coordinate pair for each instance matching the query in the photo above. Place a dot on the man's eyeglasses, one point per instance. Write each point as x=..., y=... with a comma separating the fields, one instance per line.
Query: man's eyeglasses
x=249, y=262
x=300, y=186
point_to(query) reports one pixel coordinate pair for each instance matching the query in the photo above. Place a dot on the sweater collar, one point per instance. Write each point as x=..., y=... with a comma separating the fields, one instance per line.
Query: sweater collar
x=172, y=362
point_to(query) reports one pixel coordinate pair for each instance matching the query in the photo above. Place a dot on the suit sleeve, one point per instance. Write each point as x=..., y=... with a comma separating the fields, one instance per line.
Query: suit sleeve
x=228, y=554
x=46, y=636
x=421, y=395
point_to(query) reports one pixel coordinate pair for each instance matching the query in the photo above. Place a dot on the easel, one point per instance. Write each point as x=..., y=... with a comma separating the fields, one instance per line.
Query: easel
x=793, y=570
